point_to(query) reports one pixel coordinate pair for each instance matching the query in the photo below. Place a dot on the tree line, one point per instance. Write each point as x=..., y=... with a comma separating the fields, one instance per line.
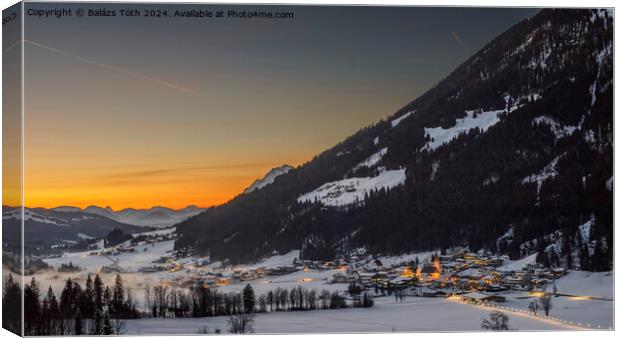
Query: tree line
x=97, y=309
x=201, y=301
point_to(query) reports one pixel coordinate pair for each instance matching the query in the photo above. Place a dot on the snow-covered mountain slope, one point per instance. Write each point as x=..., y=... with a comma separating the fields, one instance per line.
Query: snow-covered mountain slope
x=269, y=178
x=519, y=137
x=48, y=227
x=480, y=119
x=153, y=217
x=353, y=190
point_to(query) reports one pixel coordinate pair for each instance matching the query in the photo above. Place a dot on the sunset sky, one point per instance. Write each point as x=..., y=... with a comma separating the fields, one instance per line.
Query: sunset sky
x=139, y=112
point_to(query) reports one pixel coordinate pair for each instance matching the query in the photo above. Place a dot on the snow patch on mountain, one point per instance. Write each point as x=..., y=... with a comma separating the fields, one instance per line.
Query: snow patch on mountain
x=440, y=136
x=275, y=261
x=84, y=236
x=600, y=60
x=493, y=178
x=372, y=160
x=227, y=239
x=30, y=215
x=505, y=238
x=518, y=264
x=397, y=120
x=610, y=183
x=269, y=178
x=542, y=60
x=546, y=173
x=477, y=118
x=351, y=190
x=584, y=230
x=434, y=169
x=558, y=130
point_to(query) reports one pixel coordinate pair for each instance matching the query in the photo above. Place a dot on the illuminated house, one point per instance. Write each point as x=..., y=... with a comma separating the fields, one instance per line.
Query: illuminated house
x=407, y=272
x=429, y=272
x=478, y=297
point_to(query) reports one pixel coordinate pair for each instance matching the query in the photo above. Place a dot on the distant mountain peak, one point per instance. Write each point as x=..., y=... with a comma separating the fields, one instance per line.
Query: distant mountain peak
x=269, y=178
x=156, y=216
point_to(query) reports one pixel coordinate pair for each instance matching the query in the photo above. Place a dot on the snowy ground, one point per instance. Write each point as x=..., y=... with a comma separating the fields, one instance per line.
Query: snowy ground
x=581, y=312
x=518, y=264
x=413, y=315
x=351, y=190
x=143, y=256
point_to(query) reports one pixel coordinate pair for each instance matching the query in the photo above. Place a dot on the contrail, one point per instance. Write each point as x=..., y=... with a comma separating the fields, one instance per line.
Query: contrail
x=458, y=39
x=16, y=43
x=120, y=70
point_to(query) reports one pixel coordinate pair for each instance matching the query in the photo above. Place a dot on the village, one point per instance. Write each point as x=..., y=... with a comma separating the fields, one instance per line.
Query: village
x=476, y=277
x=480, y=280
x=473, y=276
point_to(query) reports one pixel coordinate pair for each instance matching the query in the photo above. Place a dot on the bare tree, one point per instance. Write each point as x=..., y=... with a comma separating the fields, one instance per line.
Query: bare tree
x=533, y=307
x=270, y=299
x=241, y=323
x=497, y=321
x=262, y=303
x=324, y=297
x=119, y=326
x=545, y=303
x=312, y=299
x=148, y=302
x=161, y=299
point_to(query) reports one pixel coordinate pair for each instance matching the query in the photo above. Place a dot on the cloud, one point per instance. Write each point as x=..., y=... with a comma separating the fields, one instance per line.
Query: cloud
x=114, y=68
x=179, y=172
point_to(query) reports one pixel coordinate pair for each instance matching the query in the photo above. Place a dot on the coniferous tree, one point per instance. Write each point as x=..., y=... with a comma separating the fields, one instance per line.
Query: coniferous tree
x=66, y=300
x=249, y=299
x=11, y=306
x=98, y=293
x=567, y=252
x=54, y=312
x=77, y=328
x=584, y=257
x=32, y=308
x=88, y=300
x=97, y=323
x=118, y=298
x=44, y=328
x=107, y=300
x=107, y=325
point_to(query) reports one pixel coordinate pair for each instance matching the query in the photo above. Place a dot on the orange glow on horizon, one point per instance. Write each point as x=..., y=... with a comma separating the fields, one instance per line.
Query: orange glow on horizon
x=172, y=188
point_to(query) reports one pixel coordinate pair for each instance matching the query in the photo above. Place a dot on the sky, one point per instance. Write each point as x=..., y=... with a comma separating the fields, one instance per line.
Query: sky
x=141, y=112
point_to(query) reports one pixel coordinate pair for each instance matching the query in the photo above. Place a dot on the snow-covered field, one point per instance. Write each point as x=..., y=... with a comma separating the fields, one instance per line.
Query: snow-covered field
x=143, y=256
x=414, y=314
x=518, y=264
x=578, y=310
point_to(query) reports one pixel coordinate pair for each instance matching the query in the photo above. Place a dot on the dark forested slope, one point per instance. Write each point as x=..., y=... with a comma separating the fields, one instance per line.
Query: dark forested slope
x=512, y=152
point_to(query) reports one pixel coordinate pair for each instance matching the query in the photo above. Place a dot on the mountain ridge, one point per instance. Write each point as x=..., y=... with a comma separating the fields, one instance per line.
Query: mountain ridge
x=46, y=227
x=157, y=216
x=268, y=178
